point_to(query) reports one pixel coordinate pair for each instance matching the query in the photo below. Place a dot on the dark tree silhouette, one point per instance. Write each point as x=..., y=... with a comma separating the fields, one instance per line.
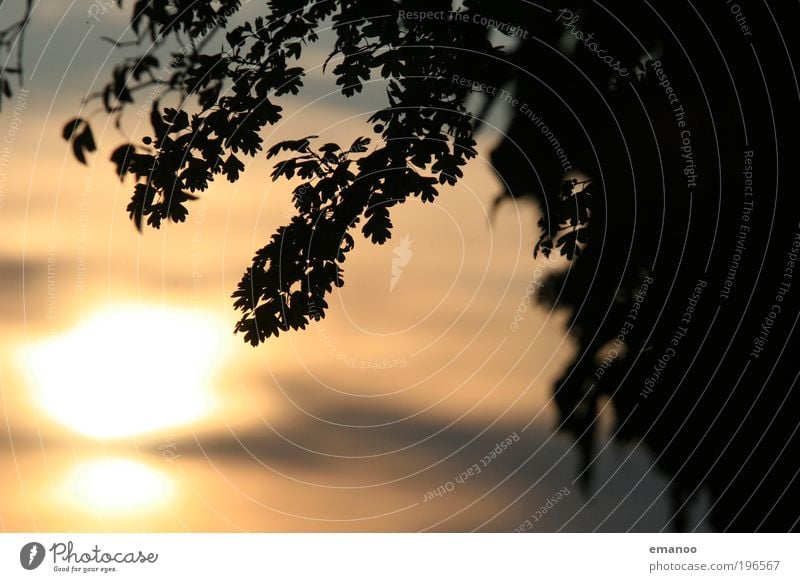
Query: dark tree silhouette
x=12, y=44
x=655, y=137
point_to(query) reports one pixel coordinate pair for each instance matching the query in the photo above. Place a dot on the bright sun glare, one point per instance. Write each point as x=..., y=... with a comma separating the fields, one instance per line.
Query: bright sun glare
x=128, y=370
x=116, y=485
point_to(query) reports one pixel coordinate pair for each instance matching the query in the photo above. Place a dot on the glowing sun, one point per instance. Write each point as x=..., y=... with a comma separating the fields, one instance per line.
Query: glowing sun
x=128, y=370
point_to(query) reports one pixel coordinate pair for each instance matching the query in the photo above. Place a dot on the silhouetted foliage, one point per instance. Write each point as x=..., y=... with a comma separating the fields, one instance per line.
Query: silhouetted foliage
x=12, y=44
x=658, y=137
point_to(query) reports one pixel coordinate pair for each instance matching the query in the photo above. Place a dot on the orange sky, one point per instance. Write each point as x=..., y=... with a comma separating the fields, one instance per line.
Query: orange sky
x=310, y=431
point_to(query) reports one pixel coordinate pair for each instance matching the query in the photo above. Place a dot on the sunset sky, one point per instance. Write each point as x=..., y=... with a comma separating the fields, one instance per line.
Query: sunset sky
x=128, y=403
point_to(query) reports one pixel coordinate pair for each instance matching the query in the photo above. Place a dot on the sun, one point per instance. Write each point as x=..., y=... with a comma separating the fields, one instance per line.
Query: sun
x=128, y=370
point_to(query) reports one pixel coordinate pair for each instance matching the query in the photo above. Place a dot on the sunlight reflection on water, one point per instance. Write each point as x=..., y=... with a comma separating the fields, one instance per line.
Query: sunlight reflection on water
x=115, y=485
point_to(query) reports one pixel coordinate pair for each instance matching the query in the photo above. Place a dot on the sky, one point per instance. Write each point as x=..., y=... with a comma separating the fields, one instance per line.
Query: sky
x=129, y=405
